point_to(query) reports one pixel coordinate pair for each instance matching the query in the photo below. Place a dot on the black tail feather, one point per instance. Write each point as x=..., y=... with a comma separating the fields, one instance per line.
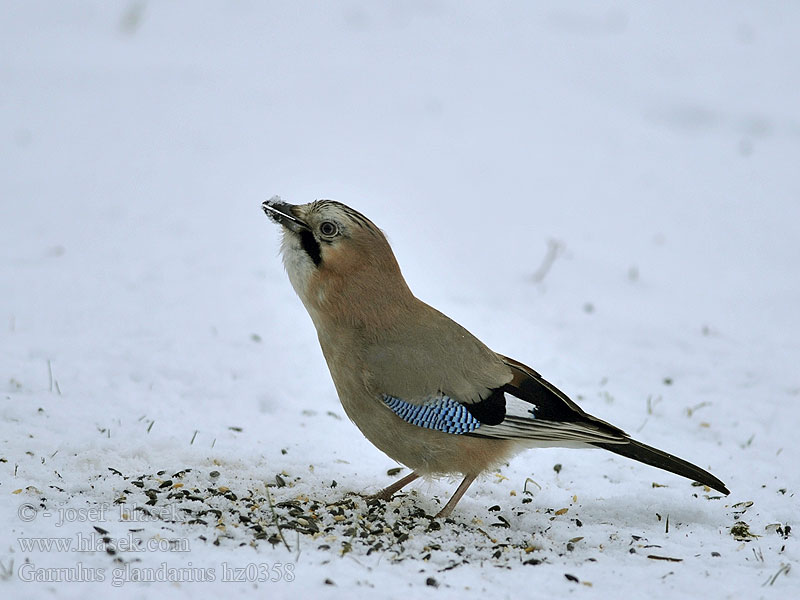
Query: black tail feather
x=663, y=460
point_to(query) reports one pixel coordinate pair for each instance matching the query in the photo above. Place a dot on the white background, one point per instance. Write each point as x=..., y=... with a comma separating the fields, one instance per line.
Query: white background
x=144, y=310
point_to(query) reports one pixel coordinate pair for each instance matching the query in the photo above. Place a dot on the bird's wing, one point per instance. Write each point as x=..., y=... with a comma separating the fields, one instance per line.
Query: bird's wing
x=538, y=412
x=526, y=408
x=431, y=357
x=532, y=411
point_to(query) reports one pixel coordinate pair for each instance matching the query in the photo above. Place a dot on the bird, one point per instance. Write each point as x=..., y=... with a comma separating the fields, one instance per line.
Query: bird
x=418, y=385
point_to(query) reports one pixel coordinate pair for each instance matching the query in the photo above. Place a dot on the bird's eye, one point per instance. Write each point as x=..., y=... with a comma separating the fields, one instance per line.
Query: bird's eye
x=328, y=229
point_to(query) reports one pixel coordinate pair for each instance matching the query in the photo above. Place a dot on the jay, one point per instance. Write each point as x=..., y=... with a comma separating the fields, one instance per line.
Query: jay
x=419, y=386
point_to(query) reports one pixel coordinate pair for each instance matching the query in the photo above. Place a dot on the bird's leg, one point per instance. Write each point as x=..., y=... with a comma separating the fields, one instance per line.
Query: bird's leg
x=387, y=492
x=448, y=508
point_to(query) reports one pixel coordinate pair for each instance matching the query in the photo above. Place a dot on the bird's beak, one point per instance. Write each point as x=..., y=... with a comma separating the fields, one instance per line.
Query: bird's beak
x=281, y=213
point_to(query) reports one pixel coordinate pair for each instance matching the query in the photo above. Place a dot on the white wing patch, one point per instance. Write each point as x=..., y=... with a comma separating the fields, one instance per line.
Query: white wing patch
x=521, y=424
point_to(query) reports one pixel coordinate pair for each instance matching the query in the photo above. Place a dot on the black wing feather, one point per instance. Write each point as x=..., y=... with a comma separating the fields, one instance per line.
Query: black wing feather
x=553, y=405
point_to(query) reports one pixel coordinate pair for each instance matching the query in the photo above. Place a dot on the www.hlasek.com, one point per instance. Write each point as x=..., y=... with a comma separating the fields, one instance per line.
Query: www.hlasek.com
x=96, y=542
x=118, y=576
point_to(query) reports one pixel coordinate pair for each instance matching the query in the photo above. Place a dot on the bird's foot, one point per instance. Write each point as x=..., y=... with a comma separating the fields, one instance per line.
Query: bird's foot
x=386, y=493
x=382, y=495
x=444, y=513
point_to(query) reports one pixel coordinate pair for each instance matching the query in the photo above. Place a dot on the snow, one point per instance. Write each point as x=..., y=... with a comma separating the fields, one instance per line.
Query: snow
x=148, y=326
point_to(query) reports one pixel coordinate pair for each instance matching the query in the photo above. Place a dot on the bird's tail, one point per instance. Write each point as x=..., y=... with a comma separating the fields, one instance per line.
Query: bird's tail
x=663, y=460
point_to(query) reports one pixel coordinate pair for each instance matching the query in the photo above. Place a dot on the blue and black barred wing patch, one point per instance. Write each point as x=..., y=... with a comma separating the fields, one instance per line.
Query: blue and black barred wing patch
x=440, y=413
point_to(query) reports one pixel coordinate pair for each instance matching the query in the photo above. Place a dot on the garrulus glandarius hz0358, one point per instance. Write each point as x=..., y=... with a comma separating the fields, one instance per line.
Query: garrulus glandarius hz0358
x=418, y=385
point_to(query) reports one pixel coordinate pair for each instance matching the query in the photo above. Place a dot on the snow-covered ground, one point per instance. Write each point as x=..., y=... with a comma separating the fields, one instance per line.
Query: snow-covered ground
x=162, y=386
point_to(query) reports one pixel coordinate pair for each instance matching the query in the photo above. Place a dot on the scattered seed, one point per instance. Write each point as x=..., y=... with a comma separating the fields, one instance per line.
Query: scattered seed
x=666, y=558
x=575, y=540
x=741, y=532
x=503, y=522
x=784, y=569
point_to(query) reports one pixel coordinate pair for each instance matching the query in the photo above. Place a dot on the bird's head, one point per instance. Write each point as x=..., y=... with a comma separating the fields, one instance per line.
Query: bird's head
x=339, y=262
